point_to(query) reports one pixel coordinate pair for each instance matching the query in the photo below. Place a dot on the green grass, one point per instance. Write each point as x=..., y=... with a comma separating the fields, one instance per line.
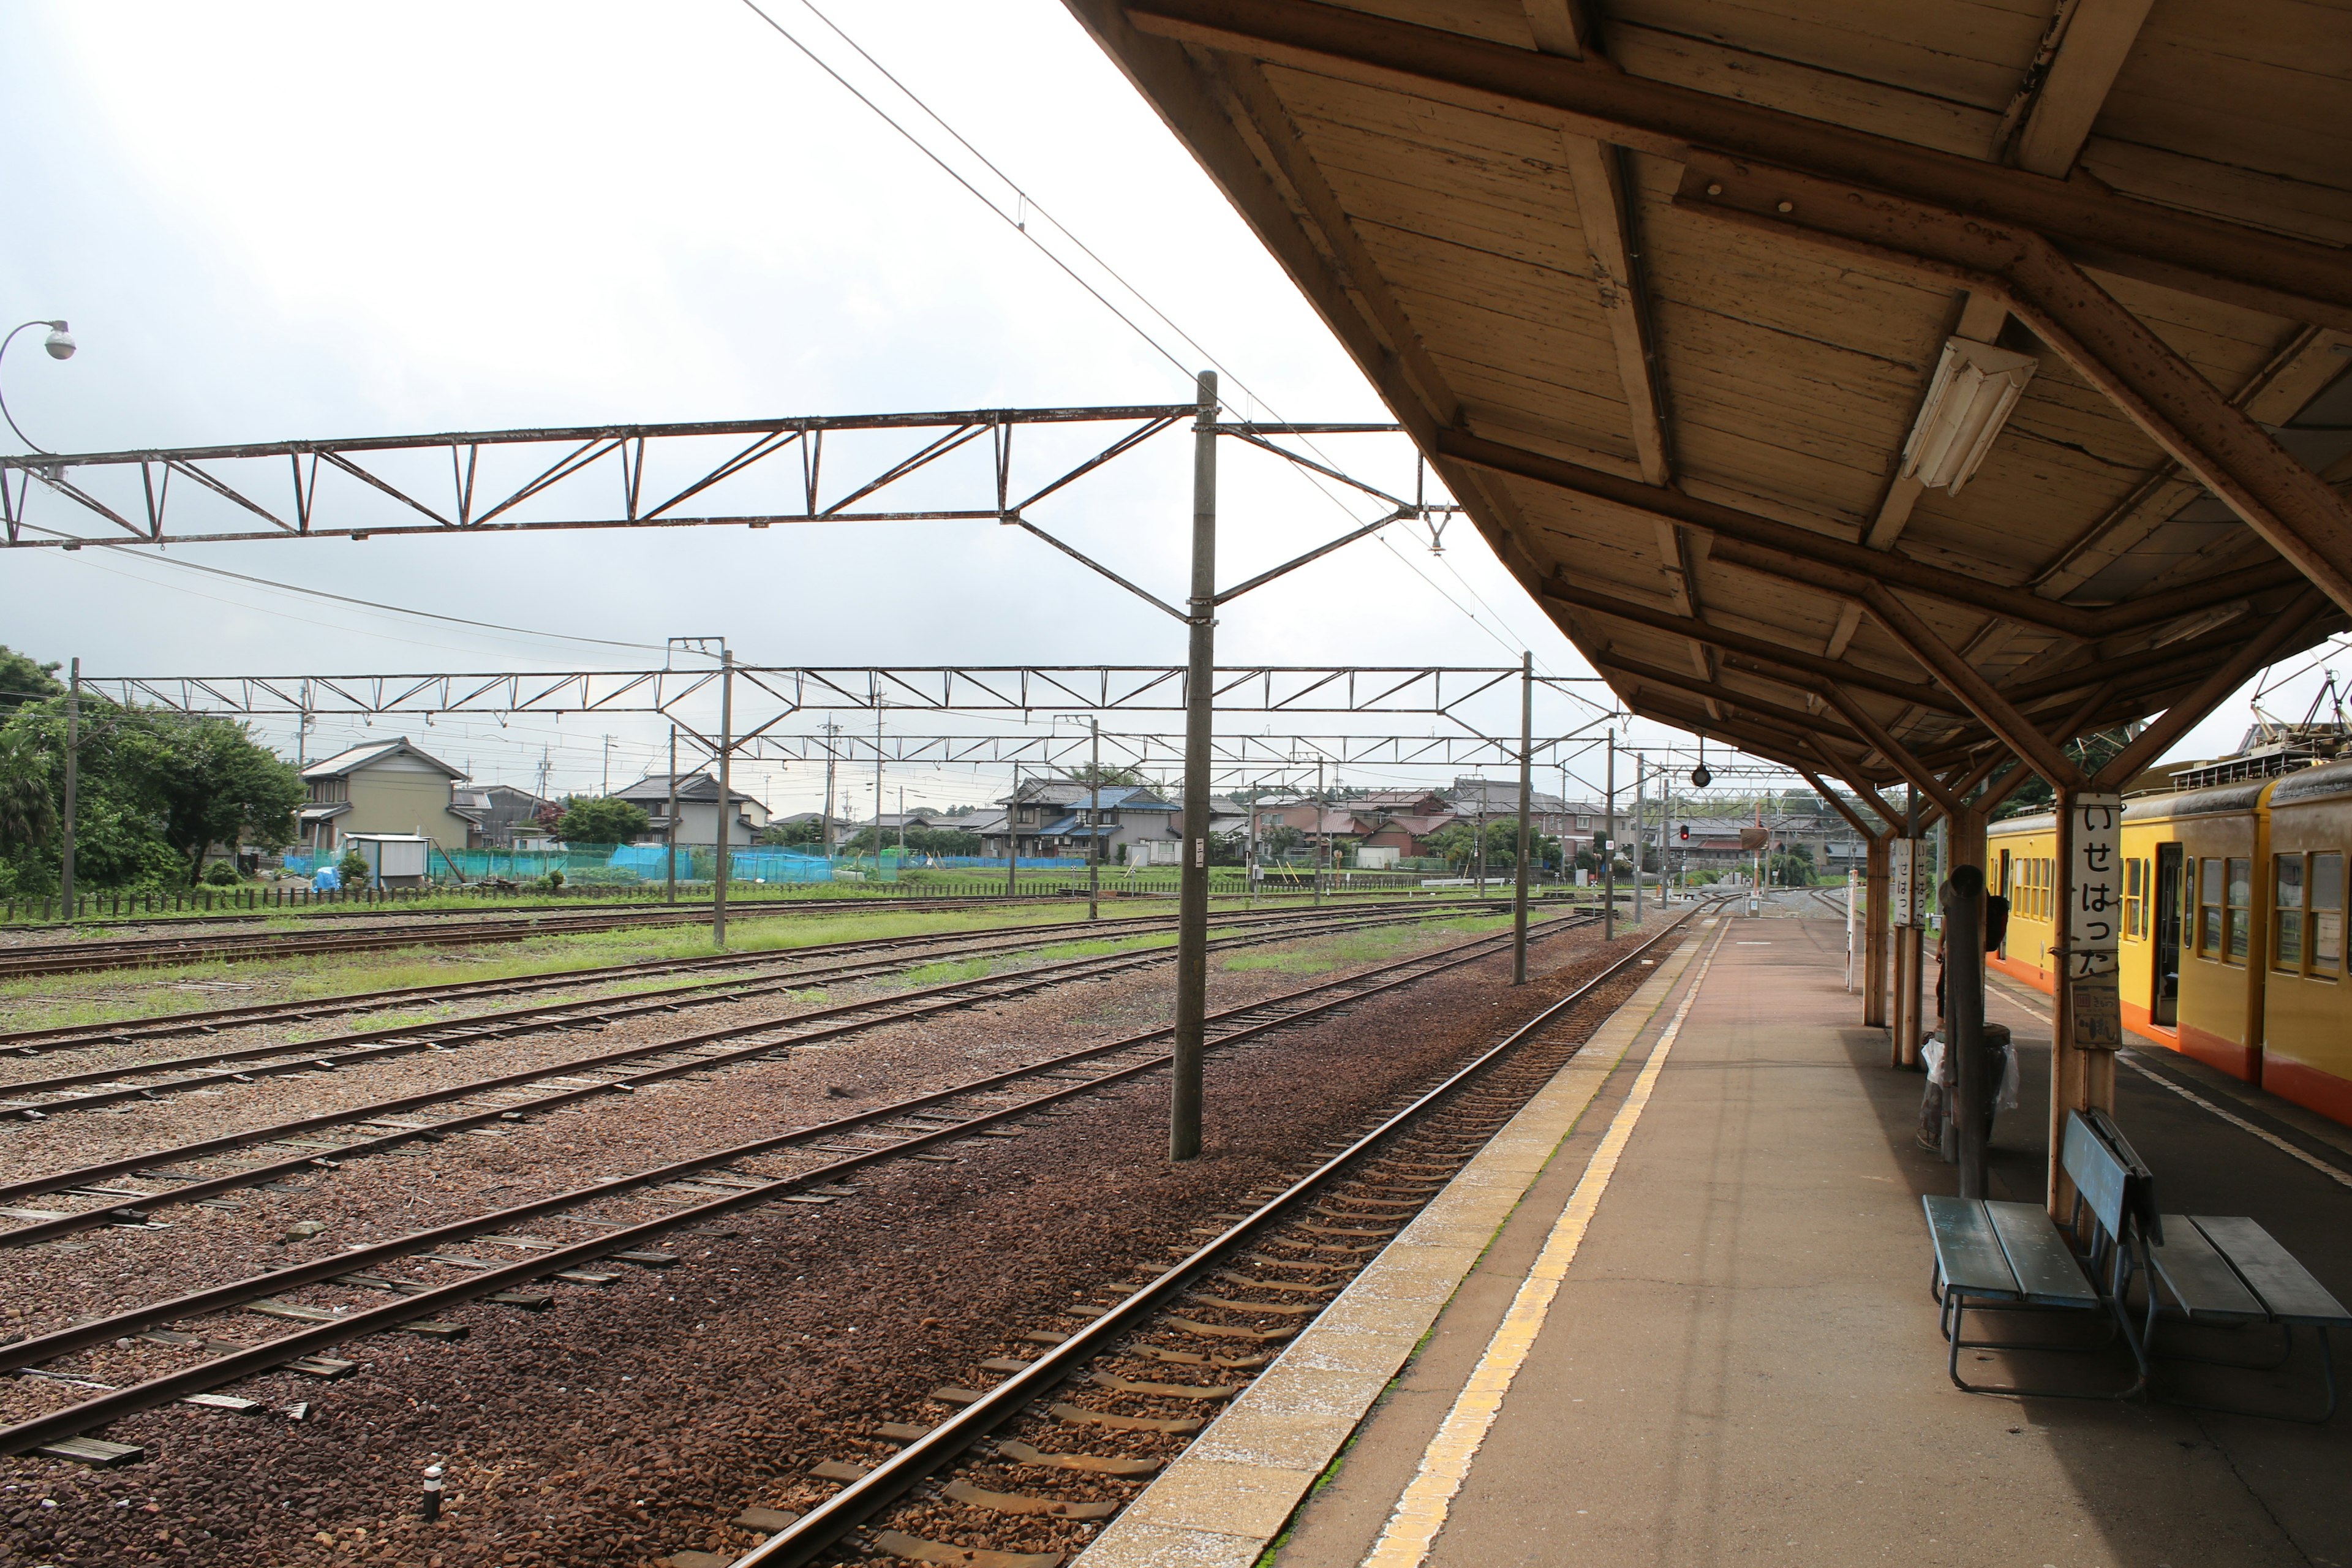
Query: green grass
x=32, y=1004
x=1351, y=949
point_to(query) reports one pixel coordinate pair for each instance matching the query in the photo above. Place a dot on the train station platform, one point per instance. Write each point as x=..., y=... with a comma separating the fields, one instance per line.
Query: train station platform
x=1696, y=1328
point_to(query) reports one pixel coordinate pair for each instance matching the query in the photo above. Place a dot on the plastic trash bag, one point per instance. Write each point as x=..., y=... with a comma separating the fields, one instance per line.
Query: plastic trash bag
x=325, y=880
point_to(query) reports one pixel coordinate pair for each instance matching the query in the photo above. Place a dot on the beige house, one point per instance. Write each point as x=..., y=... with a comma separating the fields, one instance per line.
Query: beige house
x=385, y=786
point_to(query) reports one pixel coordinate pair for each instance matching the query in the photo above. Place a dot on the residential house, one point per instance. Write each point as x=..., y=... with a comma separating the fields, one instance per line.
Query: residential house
x=1378, y=802
x=1407, y=835
x=1060, y=816
x=500, y=814
x=1548, y=813
x=697, y=808
x=385, y=786
x=1717, y=842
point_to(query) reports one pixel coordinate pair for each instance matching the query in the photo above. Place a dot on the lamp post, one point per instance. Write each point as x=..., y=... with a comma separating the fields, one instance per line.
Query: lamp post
x=61, y=344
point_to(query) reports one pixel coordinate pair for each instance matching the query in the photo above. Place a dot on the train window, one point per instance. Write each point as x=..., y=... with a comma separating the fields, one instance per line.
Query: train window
x=2327, y=913
x=2241, y=893
x=2286, y=910
x=2136, y=899
x=2208, y=909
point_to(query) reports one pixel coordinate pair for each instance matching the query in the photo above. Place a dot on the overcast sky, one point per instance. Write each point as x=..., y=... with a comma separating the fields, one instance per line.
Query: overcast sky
x=267, y=222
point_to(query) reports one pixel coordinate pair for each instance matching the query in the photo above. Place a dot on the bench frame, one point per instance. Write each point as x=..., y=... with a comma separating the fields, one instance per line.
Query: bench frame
x=2215, y=1270
x=2041, y=1265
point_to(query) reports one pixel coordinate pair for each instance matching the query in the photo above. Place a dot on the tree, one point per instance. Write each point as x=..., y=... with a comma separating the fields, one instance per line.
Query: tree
x=207, y=783
x=602, y=820
x=805, y=830
x=28, y=816
x=354, y=870
x=22, y=680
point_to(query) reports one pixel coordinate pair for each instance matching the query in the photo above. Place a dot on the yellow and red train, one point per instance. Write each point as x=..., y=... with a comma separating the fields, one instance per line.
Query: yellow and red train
x=2233, y=948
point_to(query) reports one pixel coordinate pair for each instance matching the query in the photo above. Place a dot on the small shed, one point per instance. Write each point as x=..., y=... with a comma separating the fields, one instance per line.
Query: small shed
x=395, y=860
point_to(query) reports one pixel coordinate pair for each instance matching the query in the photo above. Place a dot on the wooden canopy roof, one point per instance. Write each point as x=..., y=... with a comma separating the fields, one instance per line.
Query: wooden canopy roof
x=1661, y=286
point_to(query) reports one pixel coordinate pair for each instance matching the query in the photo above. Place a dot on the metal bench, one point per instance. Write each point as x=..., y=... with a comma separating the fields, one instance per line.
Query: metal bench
x=2007, y=1255
x=2200, y=1269
x=2229, y=1271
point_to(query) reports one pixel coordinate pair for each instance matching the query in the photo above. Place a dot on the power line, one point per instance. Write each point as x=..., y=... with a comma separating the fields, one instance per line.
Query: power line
x=1029, y=204
x=884, y=115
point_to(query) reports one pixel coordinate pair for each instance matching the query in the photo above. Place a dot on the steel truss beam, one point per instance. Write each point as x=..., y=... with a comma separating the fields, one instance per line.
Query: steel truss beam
x=600, y=473
x=2296, y=278
x=1436, y=689
x=1131, y=750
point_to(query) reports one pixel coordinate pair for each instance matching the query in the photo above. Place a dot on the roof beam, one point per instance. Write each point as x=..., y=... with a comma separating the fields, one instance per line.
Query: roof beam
x=2296, y=278
x=1992, y=710
x=1559, y=587
x=1893, y=750
x=1718, y=696
x=2152, y=743
x=1837, y=803
x=1862, y=789
x=2097, y=40
x=2300, y=516
x=1836, y=566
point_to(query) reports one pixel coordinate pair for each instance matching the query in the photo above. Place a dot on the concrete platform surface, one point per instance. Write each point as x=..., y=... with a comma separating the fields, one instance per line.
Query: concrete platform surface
x=1742, y=1363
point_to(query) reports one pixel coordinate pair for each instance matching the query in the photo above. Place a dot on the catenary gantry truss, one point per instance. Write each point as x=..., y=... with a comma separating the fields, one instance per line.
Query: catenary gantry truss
x=877, y=468
x=1459, y=700
x=1662, y=292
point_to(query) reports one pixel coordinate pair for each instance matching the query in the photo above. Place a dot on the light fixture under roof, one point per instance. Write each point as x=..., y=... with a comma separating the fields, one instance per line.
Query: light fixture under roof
x=1975, y=385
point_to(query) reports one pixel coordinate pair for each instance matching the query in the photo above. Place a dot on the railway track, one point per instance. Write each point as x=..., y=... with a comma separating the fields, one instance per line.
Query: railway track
x=196, y=1352
x=208, y=1170
x=215, y=1020
x=1069, y=1425
x=27, y=961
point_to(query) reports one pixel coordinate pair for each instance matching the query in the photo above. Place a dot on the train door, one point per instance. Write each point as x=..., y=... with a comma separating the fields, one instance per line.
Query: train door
x=2164, y=1005
x=2002, y=887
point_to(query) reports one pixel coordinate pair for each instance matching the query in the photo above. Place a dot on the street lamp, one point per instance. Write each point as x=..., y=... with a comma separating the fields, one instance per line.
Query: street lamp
x=61, y=344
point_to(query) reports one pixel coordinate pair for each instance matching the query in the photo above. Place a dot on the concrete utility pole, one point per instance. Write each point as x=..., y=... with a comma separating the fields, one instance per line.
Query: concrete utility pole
x=825, y=825
x=1249, y=855
x=73, y=777
x=877, y=790
x=1527, y=797
x=1638, y=803
x=1012, y=836
x=1094, y=824
x=1609, y=848
x=1478, y=844
x=1193, y=907
x=669, y=835
x=725, y=796
x=604, y=790
x=1321, y=839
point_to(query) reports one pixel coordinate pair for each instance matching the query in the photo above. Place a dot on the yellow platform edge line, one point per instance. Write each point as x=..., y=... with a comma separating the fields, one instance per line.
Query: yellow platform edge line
x=1421, y=1512
x=1180, y=1522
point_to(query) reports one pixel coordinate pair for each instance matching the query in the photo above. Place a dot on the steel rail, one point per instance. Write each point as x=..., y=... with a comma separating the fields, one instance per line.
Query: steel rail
x=822, y=1527
x=87, y=1415
x=954, y=995
x=334, y=1052
x=157, y=953
x=213, y=1020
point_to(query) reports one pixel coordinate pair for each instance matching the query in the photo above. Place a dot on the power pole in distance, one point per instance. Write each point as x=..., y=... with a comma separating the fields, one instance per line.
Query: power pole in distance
x=670, y=836
x=73, y=775
x=1527, y=793
x=726, y=795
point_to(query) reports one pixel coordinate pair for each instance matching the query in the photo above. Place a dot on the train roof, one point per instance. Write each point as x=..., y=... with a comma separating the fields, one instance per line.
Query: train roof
x=2330, y=781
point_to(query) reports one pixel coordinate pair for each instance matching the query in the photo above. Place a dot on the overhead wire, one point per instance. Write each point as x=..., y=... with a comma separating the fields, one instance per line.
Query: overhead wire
x=1029, y=204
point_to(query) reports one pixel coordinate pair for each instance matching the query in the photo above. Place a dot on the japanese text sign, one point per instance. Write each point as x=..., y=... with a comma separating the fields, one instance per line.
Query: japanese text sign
x=2092, y=882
